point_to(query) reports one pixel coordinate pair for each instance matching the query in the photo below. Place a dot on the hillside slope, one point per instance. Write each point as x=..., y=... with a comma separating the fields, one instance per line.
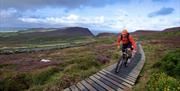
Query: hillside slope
x=44, y=36
x=68, y=32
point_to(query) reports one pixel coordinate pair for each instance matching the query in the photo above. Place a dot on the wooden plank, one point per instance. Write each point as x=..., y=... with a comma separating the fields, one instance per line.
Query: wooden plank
x=119, y=77
x=128, y=76
x=105, y=81
x=67, y=89
x=74, y=88
x=117, y=80
x=95, y=85
x=102, y=84
x=116, y=87
x=131, y=73
x=120, y=85
x=81, y=87
x=88, y=86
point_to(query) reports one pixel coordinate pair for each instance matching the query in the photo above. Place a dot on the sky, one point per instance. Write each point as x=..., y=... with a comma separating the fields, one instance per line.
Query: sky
x=100, y=15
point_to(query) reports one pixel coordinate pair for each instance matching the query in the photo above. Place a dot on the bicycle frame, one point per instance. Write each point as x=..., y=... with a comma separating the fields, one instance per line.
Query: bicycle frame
x=123, y=60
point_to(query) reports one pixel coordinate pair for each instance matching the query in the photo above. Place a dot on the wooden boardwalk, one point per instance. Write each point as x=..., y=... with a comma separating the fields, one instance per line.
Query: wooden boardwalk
x=108, y=80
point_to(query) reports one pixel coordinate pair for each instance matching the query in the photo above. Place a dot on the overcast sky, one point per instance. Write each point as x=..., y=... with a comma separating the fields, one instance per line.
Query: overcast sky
x=110, y=15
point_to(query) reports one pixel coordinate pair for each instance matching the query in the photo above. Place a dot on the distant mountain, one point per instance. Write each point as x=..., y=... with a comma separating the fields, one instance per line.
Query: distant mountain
x=144, y=32
x=106, y=34
x=172, y=29
x=45, y=36
x=11, y=29
x=29, y=30
x=75, y=31
x=55, y=32
x=147, y=32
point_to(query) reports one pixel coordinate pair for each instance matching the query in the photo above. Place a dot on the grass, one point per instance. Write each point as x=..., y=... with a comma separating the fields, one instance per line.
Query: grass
x=76, y=64
x=170, y=64
x=161, y=58
x=20, y=81
x=151, y=59
x=46, y=45
x=159, y=35
x=40, y=77
x=167, y=78
x=16, y=39
x=8, y=66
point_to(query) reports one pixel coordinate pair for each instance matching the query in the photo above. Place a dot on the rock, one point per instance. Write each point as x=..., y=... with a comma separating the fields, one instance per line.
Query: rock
x=45, y=60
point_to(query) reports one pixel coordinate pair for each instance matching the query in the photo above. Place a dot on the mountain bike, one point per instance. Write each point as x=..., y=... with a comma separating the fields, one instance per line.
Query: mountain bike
x=123, y=60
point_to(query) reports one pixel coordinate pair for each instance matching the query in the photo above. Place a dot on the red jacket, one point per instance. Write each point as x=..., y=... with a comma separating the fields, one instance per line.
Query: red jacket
x=125, y=41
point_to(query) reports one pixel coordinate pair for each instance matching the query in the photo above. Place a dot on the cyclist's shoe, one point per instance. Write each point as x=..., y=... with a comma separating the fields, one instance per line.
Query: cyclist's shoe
x=129, y=60
x=126, y=65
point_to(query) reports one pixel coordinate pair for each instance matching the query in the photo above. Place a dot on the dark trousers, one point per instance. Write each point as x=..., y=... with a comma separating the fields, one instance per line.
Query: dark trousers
x=125, y=46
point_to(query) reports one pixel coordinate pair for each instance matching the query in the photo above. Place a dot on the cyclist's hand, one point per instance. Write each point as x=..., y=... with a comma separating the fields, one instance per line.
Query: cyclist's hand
x=118, y=47
x=134, y=51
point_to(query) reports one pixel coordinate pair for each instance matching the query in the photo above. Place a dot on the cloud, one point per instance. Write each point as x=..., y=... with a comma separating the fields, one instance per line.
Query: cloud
x=8, y=17
x=71, y=4
x=115, y=22
x=161, y=12
x=160, y=0
x=70, y=19
x=8, y=12
x=93, y=14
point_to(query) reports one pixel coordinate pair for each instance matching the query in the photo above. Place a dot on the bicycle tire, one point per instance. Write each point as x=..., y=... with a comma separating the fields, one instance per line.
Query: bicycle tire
x=119, y=65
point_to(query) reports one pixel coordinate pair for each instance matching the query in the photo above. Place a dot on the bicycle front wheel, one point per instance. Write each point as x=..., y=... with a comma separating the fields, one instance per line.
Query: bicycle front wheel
x=119, y=65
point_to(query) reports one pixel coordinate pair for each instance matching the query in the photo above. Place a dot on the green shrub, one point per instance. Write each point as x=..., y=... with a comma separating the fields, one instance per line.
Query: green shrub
x=22, y=81
x=39, y=77
x=162, y=82
x=17, y=82
x=170, y=64
x=7, y=66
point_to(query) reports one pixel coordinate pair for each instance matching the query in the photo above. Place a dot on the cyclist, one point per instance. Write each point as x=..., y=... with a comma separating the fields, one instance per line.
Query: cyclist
x=127, y=43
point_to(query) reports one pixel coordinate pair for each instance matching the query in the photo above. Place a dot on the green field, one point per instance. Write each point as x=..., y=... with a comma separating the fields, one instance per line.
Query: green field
x=70, y=64
x=162, y=66
x=28, y=41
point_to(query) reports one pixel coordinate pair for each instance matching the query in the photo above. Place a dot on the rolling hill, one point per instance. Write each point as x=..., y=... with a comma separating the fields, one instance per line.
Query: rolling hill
x=68, y=32
x=105, y=34
x=172, y=29
x=44, y=36
x=69, y=65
